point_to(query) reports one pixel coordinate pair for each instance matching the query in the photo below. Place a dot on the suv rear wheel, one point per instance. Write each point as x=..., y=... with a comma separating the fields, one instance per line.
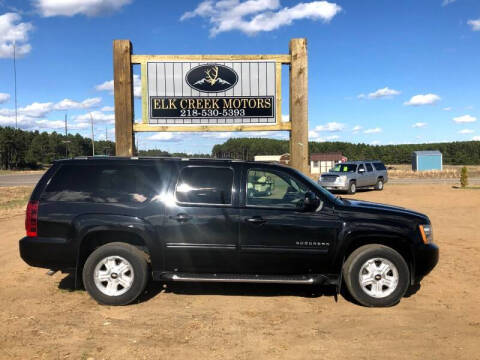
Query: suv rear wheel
x=115, y=274
x=379, y=184
x=376, y=275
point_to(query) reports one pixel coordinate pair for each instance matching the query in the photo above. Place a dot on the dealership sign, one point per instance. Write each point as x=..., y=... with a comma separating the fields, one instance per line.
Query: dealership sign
x=213, y=92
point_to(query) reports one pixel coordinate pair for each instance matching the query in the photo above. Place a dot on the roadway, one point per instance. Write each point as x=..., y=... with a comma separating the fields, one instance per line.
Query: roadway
x=20, y=179
x=32, y=179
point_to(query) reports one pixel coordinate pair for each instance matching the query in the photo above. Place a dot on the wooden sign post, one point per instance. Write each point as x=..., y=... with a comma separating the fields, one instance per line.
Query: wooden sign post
x=299, y=105
x=193, y=93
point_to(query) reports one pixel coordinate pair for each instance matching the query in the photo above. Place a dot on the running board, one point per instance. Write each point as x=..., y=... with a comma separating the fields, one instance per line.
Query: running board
x=243, y=278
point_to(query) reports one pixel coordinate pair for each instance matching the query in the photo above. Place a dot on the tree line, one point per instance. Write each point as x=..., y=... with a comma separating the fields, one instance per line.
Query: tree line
x=454, y=153
x=21, y=149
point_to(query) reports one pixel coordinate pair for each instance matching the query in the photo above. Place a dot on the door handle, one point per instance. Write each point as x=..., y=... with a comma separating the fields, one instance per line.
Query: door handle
x=257, y=220
x=181, y=217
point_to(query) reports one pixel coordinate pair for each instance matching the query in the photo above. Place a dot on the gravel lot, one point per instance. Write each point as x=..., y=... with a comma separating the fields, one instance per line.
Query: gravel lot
x=43, y=319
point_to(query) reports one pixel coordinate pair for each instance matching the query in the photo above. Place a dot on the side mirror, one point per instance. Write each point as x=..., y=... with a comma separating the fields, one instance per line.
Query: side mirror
x=311, y=201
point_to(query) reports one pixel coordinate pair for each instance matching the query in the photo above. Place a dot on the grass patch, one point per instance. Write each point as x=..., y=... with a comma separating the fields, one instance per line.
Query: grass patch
x=14, y=197
x=19, y=172
x=467, y=187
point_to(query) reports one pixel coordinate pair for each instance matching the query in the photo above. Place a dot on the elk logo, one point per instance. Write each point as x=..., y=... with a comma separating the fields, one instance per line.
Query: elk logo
x=211, y=78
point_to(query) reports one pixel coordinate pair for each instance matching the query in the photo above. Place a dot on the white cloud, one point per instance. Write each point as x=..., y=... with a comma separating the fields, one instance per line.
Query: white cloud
x=332, y=137
x=285, y=118
x=447, y=2
x=423, y=99
x=218, y=135
x=315, y=136
x=331, y=127
x=375, y=142
x=108, y=108
x=4, y=98
x=40, y=110
x=419, y=125
x=11, y=30
x=356, y=129
x=253, y=16
x=36, y=109
x=164, y=136
x=109, y=86
x=50, y=124
x=476, y=138
x=49, y=8
x=465, y=119
x=24, y=122
x=373, y=131
x=67, y=104
x=448, y=108
x=105, y=86
x=466, y=131
x=98, y=116
x=475, y=24
x=385, y=92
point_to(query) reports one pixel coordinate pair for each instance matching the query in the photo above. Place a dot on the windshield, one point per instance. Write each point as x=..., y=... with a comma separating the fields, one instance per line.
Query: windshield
x=345, y=168
x=325, y=192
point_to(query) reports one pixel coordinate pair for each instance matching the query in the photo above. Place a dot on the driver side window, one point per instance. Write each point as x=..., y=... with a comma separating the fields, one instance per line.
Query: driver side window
x=274, y=189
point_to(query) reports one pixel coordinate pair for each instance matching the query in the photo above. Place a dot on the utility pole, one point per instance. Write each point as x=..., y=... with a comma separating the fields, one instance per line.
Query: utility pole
x=106, y=140
x=15, y=82
x=66, y=141
x=93, y=138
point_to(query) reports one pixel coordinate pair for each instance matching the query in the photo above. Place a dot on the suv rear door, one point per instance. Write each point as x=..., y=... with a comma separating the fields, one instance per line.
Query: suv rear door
x=362, y=177
x=201, y=225
x=370, y=174
x=276, y=236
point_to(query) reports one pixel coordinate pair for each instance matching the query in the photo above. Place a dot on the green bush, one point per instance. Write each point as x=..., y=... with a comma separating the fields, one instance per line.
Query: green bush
x=464, y=177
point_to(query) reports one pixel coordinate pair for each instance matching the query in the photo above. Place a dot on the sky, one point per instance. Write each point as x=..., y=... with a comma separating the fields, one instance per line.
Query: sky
x=380, y=71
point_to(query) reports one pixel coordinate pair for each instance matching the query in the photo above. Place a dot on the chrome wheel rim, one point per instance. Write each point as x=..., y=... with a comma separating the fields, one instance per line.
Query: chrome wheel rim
x=113, y=275
x=380, y=185
x=378, y=277
x=353, y=188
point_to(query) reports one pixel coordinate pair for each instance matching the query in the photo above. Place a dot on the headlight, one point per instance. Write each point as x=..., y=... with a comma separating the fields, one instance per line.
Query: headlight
x=427, y=233
x=342, y=178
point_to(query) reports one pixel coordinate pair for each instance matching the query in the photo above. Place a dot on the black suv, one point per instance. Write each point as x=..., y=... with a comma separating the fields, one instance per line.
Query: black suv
x=117, y=222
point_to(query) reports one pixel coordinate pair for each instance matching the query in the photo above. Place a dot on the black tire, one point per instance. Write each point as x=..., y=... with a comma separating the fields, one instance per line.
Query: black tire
x=379, y=185
x=353, y=267
x=352, y=187
x=136, y=258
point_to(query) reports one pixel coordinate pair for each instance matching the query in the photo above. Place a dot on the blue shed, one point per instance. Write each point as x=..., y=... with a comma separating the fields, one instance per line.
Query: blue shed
x=427, y=160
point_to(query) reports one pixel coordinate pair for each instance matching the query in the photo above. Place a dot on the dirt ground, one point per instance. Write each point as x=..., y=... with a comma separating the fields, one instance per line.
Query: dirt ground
x=41, y=318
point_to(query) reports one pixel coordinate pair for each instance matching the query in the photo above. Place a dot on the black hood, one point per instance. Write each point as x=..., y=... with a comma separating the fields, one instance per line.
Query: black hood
x=367, y=206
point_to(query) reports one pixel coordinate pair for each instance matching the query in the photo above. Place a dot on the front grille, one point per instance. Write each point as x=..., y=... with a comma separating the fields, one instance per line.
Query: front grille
x=329, y=178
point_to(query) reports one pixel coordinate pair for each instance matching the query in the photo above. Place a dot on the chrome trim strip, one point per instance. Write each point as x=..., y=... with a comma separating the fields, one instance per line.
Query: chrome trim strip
x=176, y=277
x=200, y=246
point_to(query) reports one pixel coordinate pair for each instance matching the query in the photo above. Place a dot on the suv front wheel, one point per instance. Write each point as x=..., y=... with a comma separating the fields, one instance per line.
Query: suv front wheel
x=376, y=275
x=379, y=184
x=115, y=274
x=352, y=187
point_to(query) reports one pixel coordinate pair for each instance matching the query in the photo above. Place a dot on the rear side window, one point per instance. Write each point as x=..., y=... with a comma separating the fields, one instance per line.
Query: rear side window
x=104, y=184
x=369, y=167
x=379, y=166
x=205, y=185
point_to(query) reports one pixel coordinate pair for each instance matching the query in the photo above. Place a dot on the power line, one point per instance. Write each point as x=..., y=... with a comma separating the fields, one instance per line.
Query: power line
x=15, y=81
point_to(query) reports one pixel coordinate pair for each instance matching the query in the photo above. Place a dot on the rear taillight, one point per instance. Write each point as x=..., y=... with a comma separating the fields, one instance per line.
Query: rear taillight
x=31, y=218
